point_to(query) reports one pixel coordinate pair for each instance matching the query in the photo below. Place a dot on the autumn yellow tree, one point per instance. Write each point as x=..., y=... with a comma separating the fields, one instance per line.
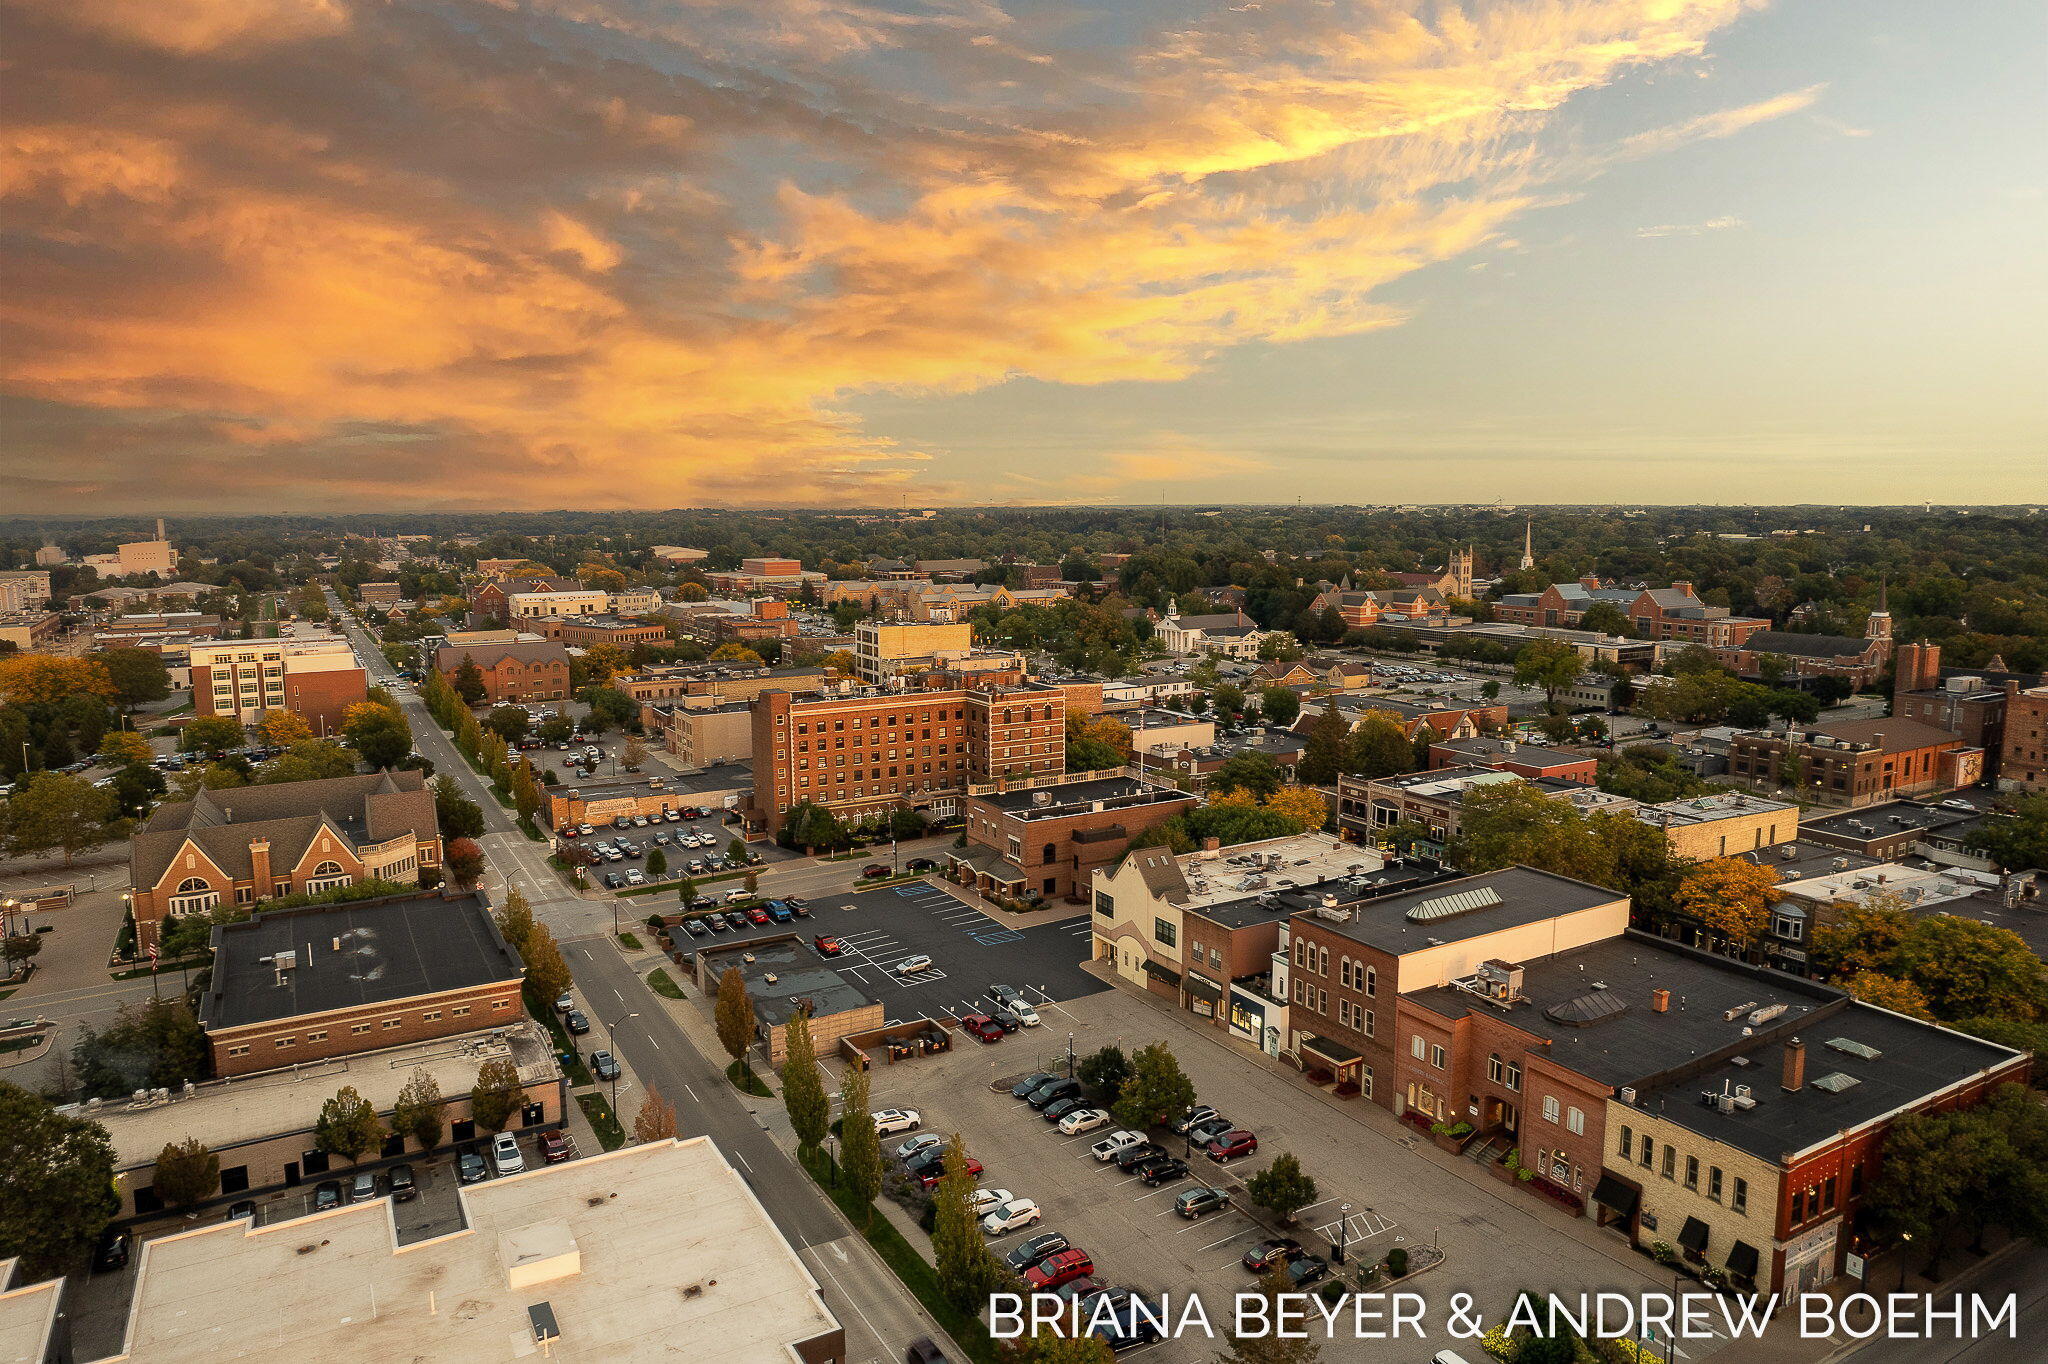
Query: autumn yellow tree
x=283, y=728
x=735, y=652
x=656, y=1120
x=124, y=746
x=1889, y=992
x=46, y=679
x=1301, y=805
x=1235, y=796
x=841, y=661
x=1731, y=897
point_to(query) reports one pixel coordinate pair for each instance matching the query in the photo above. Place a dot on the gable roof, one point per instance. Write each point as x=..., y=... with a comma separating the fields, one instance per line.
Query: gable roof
x=449, y=657
x=1806, y=646
x=365, y=809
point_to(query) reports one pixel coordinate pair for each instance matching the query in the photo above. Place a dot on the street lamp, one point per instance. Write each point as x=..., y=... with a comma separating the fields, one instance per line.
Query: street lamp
x=611, y=1030
x=1343, y=1231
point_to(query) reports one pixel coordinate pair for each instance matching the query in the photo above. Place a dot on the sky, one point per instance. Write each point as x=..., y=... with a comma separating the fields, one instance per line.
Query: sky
x=305, y=255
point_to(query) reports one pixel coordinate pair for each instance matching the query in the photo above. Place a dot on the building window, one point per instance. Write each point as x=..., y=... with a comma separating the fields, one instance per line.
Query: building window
x=1646, y=1152
x=433, y=1017
x=501, y=1004
x=316, y=1036
x=1549, y=1108
x=1436, y=1057
x=239, y=1050
x=1692, y=1173
x=1670, y=1162
x=1514, y=1077
x=1415, y=1046
x=1575, y=1121
x=1628, y=1140
x=359, y=1028
x=393, y=1022
x=1104, y=905
x=1493, y=1068
x=282, y=1042
x=1165, y=932
x=1714, y=1184
x=1739, y=1198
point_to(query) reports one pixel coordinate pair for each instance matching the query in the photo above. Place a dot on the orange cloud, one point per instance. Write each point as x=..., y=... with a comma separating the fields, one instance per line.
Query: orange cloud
x=598, y=251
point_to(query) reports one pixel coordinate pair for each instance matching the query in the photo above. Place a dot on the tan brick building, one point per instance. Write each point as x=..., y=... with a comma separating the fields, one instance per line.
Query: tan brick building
x=316, y=678
x=1722, y=826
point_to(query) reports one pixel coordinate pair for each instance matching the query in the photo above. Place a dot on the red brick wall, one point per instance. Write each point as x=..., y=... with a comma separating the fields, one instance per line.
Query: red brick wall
x=315, y=1037
x=322, y=698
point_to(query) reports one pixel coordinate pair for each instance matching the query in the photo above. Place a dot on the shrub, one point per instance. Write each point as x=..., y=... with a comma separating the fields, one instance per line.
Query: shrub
x=1397, y=1262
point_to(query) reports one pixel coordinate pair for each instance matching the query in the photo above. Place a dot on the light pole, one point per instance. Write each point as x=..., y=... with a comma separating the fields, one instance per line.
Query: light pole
x=1343, y=1231
x=611, y=1030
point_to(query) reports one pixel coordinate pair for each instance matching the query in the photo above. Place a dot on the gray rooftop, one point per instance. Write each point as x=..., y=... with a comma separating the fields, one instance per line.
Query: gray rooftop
x=1080, y=797
x=1880, y=821
x=1525, y=896
x=348, y=955
x=1274, y=906
x=801, y=979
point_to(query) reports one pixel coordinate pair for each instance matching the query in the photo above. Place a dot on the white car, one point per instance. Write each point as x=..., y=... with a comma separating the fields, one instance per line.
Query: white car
x=985, y=1201
x=1116, y=1142
x=892, y=1120
x=1083, y=1120
x=1010, y=1215
x=910, y=966
x=923, y=1141
x=1023, y=1012
x=506, y=1158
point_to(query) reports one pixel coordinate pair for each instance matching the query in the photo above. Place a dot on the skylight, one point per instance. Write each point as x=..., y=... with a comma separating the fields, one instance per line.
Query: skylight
x=1836, y=1083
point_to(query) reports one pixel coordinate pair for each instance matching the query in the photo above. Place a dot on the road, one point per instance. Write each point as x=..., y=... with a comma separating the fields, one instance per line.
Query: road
x=2023, y=1273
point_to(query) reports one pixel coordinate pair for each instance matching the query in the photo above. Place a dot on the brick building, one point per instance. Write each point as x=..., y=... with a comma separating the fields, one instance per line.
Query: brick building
x=295, y=986
x=519, y=671
x=1860, y=662
x=316, y=678
x=493, y=599
x=1658, y=613
x=866, y=752
x=247, y=844
x=1368, y=807
x=1856, y=762
x=701, y=732
x=2023, y=758
x=1700, y=827
x=718, y=682
x=585, y=631
x=1972, y=702
x=1047, y=837
x=1524, y=760
x=601, y=802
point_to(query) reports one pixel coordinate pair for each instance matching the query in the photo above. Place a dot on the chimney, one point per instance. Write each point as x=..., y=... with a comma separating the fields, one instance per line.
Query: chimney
x=1212, y=847
x=1682, y=587
x=160, y=529
x=259, y=864
x=1795, y=1066
x=1660, y=1001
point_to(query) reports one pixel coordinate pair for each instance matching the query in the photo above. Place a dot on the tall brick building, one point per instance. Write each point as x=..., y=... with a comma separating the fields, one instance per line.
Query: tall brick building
x=1674, y=613
x=315, y=678
x=864, y=752
x=1978, y=704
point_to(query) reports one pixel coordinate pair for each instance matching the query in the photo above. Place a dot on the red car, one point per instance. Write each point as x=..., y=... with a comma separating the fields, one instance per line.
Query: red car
x=874, y=869
x=929, y=1178
x=982, y=1026
x=1057, y=1269
x=758, y=915
x=554, y=1148
x=828, y=947
x=1232, y=1144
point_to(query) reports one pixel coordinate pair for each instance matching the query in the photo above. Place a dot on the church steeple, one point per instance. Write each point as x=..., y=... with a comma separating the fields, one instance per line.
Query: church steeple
x=1879, y=626
x=1529, y=543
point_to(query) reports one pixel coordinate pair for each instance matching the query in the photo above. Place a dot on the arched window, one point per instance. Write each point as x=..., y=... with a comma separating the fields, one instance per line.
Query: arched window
x=192, y=885
x=327, y=876
x=327, y=869
x=192, y=896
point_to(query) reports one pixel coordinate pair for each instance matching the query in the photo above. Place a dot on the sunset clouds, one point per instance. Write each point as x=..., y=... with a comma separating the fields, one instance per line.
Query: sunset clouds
x=305, y=253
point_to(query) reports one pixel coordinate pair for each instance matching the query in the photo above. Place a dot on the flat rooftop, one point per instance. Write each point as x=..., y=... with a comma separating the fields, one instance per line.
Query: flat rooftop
x=1080, y=797
x=801, y=978
x=1914, y=886
x=224, y=1112
x=1862, y=1063
x=1709, y=809
x=1270, y=864
x=644, y=1253
x=1595, y=1004
x=349, y=955
x=1276, y=906
x=1509, y=898
x=1800, y=859
x=1879, y=821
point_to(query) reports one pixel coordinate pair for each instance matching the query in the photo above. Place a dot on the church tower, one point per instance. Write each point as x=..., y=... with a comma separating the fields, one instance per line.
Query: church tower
x=1529, y=543
x=1461, y=572
x=1879, y=626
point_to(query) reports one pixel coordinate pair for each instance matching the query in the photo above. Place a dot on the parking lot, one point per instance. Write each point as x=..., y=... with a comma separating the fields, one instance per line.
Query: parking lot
x=704, y=841
x=969, y=951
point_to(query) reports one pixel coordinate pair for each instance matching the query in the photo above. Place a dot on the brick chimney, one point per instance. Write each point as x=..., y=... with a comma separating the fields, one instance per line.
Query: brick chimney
x=259, y=862
x=1795, y=1066
x=1660, y=1001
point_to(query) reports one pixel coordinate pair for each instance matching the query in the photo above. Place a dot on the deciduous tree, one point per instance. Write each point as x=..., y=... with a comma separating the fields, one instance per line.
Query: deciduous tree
x=656, y=1120
x=734, y=1015
x=968, y=1269
x=48, y=679
x=1731, y=897
x=1157, y=1092
x=210, y=733
x=496, y=1095
x=282, y=728
x=1888, y=992
x=56, y=1184
x=1301, y=805
x=417, y=1113
x=803, y=1091
x=1550, y=664
x=464, y=862
x=860, y=1145
x=120, y=747
x=187, y=1172
x=545, y=969
x=348, y=1125
x=57, y=812
x=1282, y=1188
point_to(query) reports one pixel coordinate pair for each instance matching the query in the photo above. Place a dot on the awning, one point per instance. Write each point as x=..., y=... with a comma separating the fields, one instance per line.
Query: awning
x=1617, y=1195
x=1165, y=975
x=1336, y=1053
x=1742, y=1259
x=1693, y=1236
x=1199, y=988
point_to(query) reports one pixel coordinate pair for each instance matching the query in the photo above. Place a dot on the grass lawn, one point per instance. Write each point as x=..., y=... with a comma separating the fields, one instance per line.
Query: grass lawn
x=663, y=984
x=903, y=1260
x=748, y=1081
x=629, y=942
x=602, y=1120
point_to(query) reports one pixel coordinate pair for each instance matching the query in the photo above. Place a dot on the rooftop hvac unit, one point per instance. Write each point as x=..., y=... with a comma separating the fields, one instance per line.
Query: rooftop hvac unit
x=1628, y=1094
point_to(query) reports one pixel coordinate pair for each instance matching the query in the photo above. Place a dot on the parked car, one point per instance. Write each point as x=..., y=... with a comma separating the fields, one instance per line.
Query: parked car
x=1162, y=1170
x=506, y=1158
x=757, y=915
x=1304, y=1270
x=576, y=1023
x=1047, y=1093
x=890, y=1121
x=923, y=1351
x=362, y=1188
x=1202, y=1133
x=799, y=906
x=1232, y=1144
x=604, y=1065
x=911, y=966
x=1005, y=1020
x=923, y=1141
x=1083, y=1120
x=470, y=1168
x=328, y=1194
x=1058, y=1268
x=1059, y=1108
x=1025, y=1012
x=555, y=1148
x=780, y=912
x=929, y=1176
x=1023, y=1088
x=982, y=1026
x=1200, y=1200
x=114, y=1244
x=404, y=1187
x=921, y=864
x=985, y=1201
x=828, y=946
x=564, y=1003
x=1009, y=1215
x=1132, y=1157
x=1124, y=1328
x=1109, y=1146
x=875, y=869
x=614, y=881
x=1003, y=994
x=1266, y=1254
x=1194, y=1117
x=1031, y=1250
x=696, y=928
x=734, y=919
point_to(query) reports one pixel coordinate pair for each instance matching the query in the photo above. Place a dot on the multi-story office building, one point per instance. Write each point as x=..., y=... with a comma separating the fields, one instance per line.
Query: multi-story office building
x=316, y=677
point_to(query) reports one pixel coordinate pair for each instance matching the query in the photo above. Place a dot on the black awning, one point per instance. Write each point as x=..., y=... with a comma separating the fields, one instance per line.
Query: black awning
x=1617, y=1194
x=1199, y=988
x=1742, y=1259
x=1163, y=974
x=1336, y=1053
x=1693, y=1236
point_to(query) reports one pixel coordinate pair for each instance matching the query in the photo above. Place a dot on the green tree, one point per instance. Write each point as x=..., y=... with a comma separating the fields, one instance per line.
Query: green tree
x=381, y=734
x=657, y=865
x=1282, y=1188
x=2014, y=1033
x=151, y=1044
x=348, y=1125
x=1323, y=758
x=1273, y=1347
x=417, y=1113
x=734, y=1015
x=1550, y=664
x=2015, y=841
x=187, y=1172
x=515, y=921
x=457, y=815
x=803, y=1090
x=860, y=1145
x=686, y=891
x=189, y=935
x=56, y=812
x=508, y=722
x=497, y=1094
x=1967, y=968
x=968, y=1270
x=556, y=729
x=1606, y=618
x=1253, y=772
x=737, y=850
x=1378, y=746
x=469, y=682
x=138, y=675
x=308, y=760
x=1105, y=1071
x=545, y=969
x=211, y=733
x=1157, y=1092
x=56, y=1184
x=1279, y=705
x=612, y=706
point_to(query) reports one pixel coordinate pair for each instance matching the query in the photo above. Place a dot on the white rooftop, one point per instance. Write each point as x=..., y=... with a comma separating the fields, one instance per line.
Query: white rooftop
x=1302, y=858
x=1914, y=885
x=648, y=1252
